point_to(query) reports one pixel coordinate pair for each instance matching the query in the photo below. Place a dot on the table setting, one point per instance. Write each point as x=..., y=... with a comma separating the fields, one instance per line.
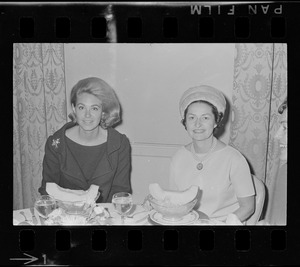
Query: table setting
x=138, y=216
x=67, y=207
x=26, y=217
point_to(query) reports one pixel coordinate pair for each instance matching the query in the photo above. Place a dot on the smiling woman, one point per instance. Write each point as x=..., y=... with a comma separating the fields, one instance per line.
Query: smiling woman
x=88, y=150
x=88, y=114
x=219, y=170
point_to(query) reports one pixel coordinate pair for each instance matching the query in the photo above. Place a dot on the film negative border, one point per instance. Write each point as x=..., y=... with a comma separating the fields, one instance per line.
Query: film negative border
x=243, y=27
x=191, y=22
x=160, y=23
x=149, y=246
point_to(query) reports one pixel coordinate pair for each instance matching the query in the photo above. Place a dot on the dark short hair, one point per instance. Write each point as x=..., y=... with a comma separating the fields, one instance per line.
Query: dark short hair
x=283, y=106
x=217, y=115
x=105, y=93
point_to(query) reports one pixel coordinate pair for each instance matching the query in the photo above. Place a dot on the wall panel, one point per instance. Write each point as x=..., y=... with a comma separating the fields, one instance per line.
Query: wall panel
x=150, y=164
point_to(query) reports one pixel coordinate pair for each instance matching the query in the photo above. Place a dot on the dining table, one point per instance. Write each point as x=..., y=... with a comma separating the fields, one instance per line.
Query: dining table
x=138, y=215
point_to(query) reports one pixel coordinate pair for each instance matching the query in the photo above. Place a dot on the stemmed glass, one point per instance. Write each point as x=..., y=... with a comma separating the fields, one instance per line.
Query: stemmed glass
x=45, y=205
x=123, y=203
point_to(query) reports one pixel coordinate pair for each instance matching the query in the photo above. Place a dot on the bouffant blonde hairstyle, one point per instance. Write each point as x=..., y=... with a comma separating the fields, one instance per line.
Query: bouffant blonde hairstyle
x=105, y=93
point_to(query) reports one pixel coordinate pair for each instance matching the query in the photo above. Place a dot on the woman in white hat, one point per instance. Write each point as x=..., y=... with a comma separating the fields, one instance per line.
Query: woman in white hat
x=221, y=172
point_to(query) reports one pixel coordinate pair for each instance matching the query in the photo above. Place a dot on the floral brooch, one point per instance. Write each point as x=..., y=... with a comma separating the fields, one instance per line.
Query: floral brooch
x=55, y=142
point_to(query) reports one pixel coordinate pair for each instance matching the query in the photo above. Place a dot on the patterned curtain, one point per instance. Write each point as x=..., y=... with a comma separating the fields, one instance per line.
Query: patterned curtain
x=260, y=86
x=39, y=109
x=279, y=93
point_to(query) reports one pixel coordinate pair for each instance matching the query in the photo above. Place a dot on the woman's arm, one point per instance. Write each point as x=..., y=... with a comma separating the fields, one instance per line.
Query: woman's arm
x=172, y=185
x=241, y=179
x=246, y=209
x=121, y=180
x=51, y=169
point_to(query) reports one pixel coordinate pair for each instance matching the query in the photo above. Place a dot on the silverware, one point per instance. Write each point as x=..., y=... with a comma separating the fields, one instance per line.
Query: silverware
x=23, y=213
x=142, y=219
x=131, y=216
x=34, y=219
x=146, y=204
x=92, y=218
x=109, y=215
x=26, y=222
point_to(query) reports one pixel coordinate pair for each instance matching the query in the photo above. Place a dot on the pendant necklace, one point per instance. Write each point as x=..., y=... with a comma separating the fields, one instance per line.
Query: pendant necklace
x=200, y=164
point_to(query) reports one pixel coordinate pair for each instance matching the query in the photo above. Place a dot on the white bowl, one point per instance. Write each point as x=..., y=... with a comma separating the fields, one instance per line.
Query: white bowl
x=77, y=207
x=171, y=211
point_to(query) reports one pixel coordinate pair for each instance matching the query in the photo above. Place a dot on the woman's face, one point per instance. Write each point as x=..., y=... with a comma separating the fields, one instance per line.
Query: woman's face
x=200, y=121
x=88, y=111
x=281, y=135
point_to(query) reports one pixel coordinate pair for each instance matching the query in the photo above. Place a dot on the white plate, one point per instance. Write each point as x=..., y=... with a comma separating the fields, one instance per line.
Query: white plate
x=59, y=217
x=187, y=219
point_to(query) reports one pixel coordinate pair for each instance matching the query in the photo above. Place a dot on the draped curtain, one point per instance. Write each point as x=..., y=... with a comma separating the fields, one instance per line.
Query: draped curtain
x=260, y=86
x=39, y=109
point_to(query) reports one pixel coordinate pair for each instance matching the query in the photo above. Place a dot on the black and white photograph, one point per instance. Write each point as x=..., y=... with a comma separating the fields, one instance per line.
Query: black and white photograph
x=147, y=134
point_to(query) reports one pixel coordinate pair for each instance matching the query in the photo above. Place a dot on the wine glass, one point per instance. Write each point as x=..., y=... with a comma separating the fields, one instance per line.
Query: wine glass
x=44, y=205
x=123, y=203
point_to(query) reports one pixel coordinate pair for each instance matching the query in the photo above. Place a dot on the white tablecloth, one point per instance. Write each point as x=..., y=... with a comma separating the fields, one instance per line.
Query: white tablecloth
x=140, y=217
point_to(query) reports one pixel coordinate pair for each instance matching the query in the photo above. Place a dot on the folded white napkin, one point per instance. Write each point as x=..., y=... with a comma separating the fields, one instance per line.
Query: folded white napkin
x=232, y=219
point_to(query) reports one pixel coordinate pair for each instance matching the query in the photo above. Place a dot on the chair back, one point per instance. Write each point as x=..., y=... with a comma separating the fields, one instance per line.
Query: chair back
x=259, y=200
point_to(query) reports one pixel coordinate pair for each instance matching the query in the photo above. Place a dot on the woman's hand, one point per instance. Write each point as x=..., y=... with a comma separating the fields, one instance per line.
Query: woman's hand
x=146, y=204
x=246, y=209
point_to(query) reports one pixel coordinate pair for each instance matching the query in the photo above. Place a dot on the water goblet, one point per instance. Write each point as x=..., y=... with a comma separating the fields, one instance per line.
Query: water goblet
x=122, y=202
x=44, y=205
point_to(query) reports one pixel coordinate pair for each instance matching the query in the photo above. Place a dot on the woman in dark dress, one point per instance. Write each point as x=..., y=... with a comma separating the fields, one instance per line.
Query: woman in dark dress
x=89, y=150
